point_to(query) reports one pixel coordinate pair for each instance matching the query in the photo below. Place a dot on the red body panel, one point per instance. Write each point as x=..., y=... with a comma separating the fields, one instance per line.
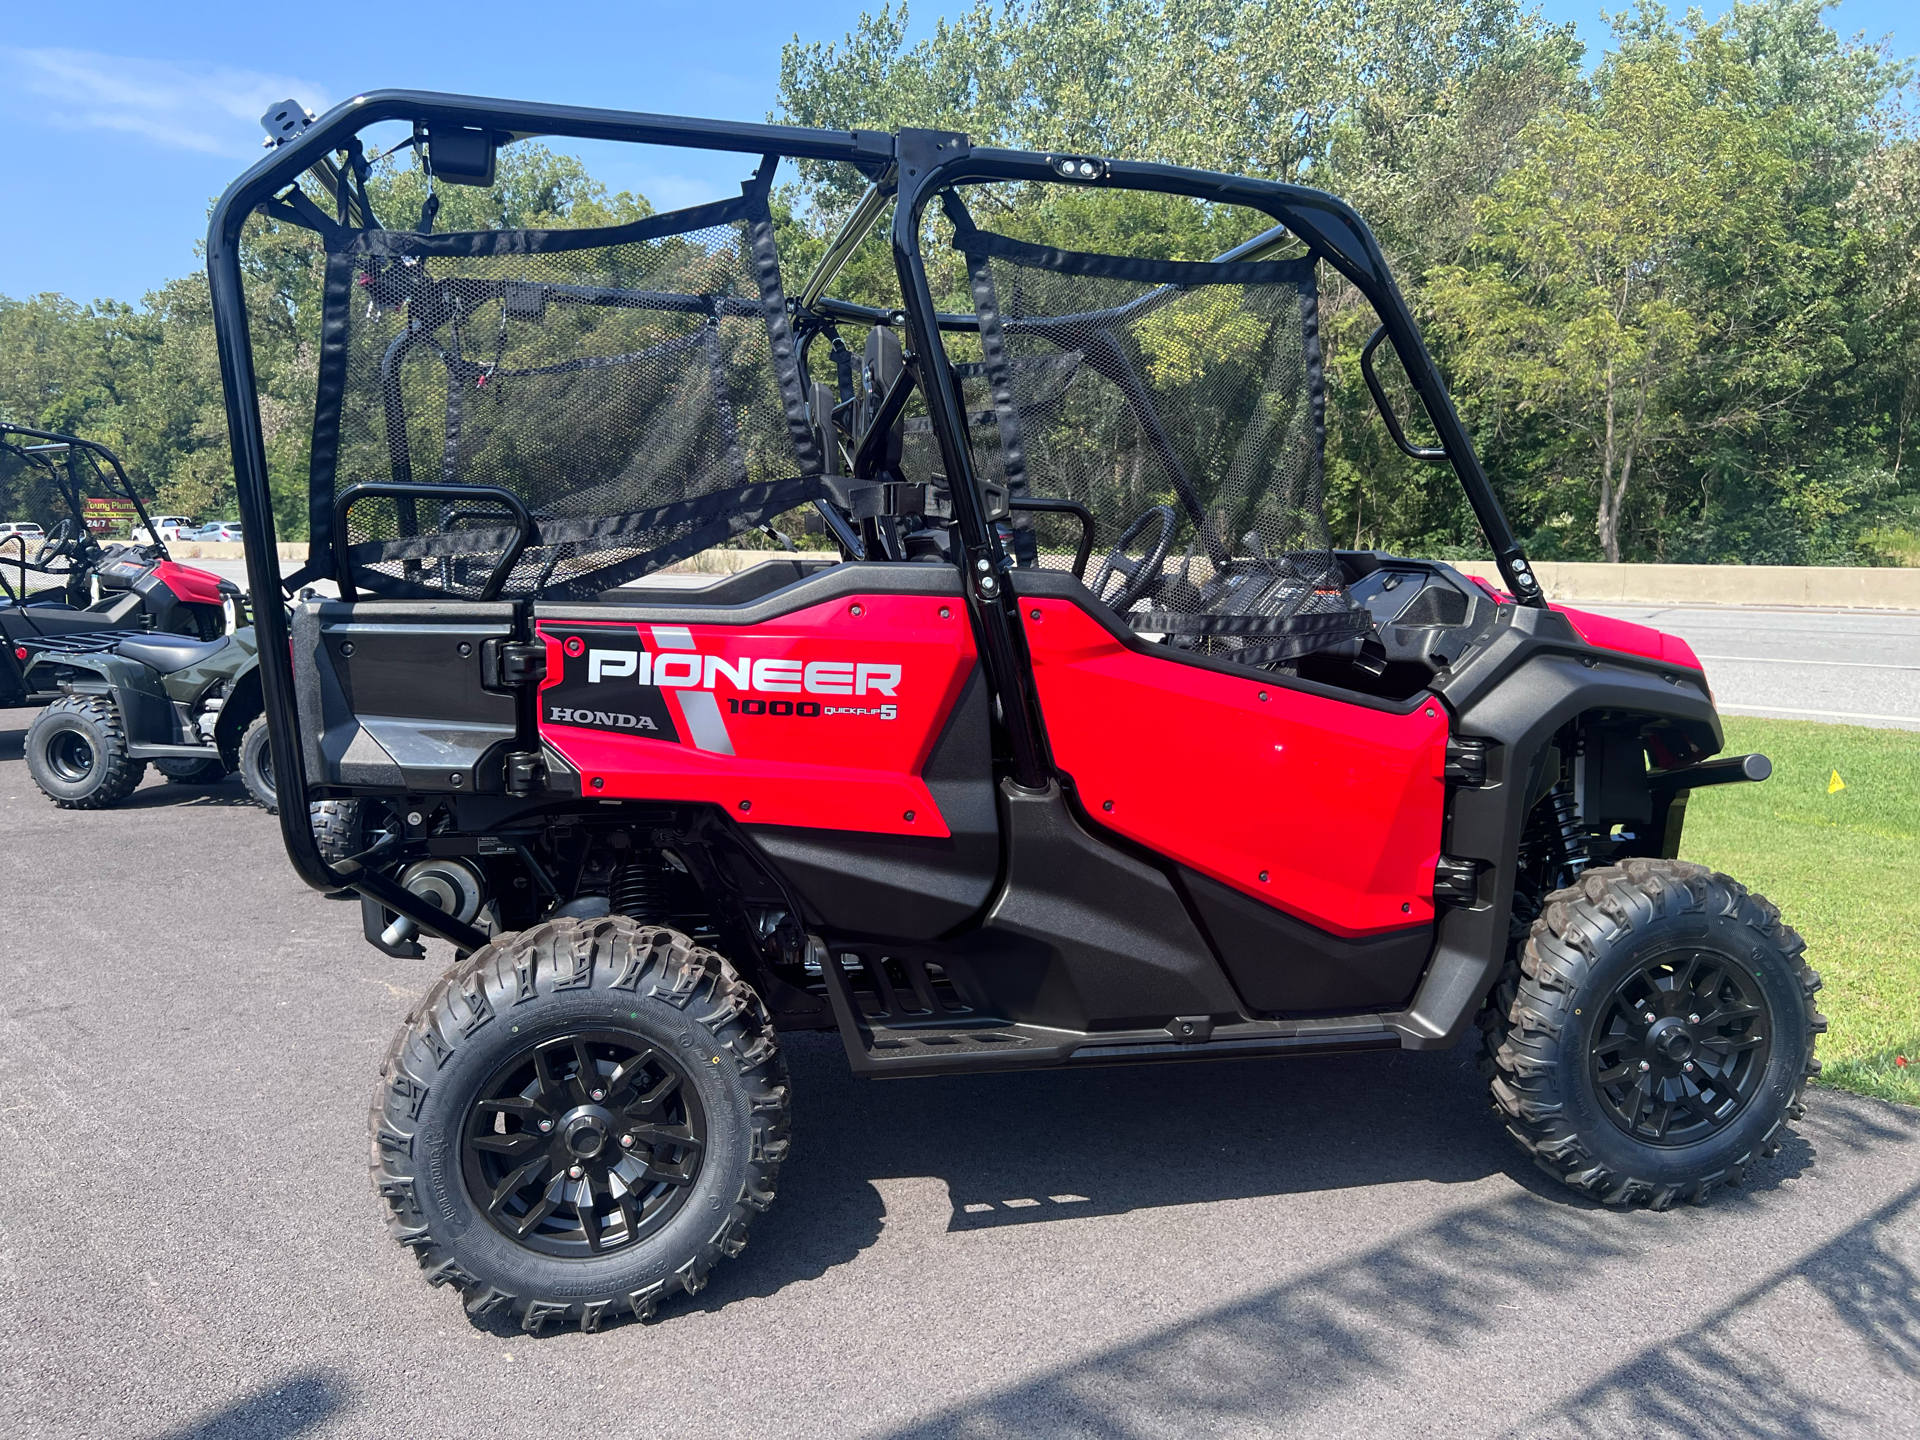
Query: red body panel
x=1603, y=632
x=1340, y=806
x=196, y=587
x=821, y=718
x=1607, y=633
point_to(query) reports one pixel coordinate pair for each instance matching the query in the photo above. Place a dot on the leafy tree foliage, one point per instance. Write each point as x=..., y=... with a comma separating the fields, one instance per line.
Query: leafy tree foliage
x=1677, y=294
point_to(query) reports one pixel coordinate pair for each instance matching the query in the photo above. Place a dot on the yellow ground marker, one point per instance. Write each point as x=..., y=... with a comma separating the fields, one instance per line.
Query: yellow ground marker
x=1836, y=784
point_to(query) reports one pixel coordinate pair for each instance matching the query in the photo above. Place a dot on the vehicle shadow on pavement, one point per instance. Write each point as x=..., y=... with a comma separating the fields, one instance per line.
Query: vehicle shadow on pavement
x=1268, y=1362
x=1026, y=1149
x=277, y=1410
x=228, y=793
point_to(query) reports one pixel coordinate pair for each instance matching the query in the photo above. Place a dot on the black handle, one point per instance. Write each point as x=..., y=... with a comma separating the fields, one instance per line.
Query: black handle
x=1728, y=770
x=1418, y=452
x=1065, y=507
x=408, y=489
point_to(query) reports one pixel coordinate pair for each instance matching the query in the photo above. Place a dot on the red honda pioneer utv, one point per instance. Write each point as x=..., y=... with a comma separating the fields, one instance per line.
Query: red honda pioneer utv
x=953, y=790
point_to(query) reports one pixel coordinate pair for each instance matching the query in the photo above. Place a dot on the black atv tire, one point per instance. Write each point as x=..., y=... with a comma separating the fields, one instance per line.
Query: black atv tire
x=337, y=829
x=608, y=984
x=191, y=772
x=77, y=754
x=1559, y=1016
x=256, y=766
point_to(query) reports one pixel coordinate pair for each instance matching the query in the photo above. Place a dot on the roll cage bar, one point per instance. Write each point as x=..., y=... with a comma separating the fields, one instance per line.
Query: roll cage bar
x=911, y=168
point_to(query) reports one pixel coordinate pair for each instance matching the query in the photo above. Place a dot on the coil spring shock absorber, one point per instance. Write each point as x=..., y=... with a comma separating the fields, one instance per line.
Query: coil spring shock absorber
x=641, y=891
x=1568, y=834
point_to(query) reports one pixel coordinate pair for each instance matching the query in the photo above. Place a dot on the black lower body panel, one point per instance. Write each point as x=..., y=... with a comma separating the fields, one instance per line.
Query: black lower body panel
x=901, y=886
x=1284, y=966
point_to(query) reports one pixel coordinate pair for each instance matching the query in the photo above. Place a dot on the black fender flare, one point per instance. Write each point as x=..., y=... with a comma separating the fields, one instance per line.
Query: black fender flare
x=146, y=710
x=242, y=706
x=1544, y=686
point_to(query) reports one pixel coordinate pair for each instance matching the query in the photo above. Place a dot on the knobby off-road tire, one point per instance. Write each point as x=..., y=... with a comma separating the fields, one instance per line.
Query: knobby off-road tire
x=337, y=829
x=451, y=1102
x=77, y=754
x=256, y=766
x=1708, y=1086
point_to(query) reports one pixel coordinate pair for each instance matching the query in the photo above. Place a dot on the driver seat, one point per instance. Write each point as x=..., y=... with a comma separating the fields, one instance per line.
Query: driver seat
x=168, y=653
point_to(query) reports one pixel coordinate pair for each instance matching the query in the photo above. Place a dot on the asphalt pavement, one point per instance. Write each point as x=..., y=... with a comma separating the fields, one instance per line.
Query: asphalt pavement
x=189, y=1247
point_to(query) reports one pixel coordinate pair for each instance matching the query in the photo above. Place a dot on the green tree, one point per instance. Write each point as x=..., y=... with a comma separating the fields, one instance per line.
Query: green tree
x=1592, y=306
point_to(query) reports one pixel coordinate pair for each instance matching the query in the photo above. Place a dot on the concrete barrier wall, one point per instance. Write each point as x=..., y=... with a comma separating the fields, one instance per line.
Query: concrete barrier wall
x=1844, y=586
x=229, y=550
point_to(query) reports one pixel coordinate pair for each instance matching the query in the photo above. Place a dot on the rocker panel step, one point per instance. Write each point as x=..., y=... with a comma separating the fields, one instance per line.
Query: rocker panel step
x=968, y=1041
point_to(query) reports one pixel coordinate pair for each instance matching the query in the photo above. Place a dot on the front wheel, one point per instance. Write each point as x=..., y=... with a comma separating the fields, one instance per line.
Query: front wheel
x=1655, y=1036
x=579, y=1120
x=77, y=754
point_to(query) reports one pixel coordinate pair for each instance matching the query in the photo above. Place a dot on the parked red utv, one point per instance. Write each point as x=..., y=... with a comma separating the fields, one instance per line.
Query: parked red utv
x=84, y=592
x=954, y=790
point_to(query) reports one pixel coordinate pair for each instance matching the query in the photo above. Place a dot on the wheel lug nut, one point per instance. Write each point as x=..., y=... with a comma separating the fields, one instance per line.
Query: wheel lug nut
x=574, y=1173
x=626, y=1141
x=1649, y=1017
x=1645, y=1066
x=1693, y=1019
x=1688, y=1066
x=599, y=1094
x=546, y=1125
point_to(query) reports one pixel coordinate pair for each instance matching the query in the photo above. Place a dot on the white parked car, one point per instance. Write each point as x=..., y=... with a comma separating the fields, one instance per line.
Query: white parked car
x=171, y=527
x=22, y=527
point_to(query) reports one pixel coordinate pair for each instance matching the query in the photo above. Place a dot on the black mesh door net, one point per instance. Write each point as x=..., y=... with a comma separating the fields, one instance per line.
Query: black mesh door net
x=1183, y=404
x=634, y=386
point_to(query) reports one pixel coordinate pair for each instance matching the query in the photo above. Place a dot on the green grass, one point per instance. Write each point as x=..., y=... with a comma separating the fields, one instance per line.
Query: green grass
x=1844, y=868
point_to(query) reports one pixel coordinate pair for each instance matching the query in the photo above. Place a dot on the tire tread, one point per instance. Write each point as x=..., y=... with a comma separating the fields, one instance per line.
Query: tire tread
x=1532, y=1003
x=664, y=965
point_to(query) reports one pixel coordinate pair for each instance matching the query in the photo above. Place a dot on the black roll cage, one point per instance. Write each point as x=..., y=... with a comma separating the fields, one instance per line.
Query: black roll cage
x=67, y=480
x=915, y=165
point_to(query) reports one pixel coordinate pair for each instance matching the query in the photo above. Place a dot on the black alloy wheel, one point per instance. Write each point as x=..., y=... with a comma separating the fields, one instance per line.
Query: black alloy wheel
x=579, y=1121
x=1681, y=1047
x=1651, y=1037
x=70, y=756
x=584, y=1143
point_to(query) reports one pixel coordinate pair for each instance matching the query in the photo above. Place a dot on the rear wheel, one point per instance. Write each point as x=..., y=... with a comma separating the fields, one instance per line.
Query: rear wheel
x=1653, y=1036
x=77, y=754
x=256, y=766
x=191, y=772
x=579, y=1121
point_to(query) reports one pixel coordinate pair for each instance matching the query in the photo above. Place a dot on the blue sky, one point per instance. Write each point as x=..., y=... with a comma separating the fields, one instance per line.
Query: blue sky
x=123, y=120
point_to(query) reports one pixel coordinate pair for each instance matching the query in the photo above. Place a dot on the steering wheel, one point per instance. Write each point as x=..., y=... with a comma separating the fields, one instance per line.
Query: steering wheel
x=61, y=544
x=1139, y=577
